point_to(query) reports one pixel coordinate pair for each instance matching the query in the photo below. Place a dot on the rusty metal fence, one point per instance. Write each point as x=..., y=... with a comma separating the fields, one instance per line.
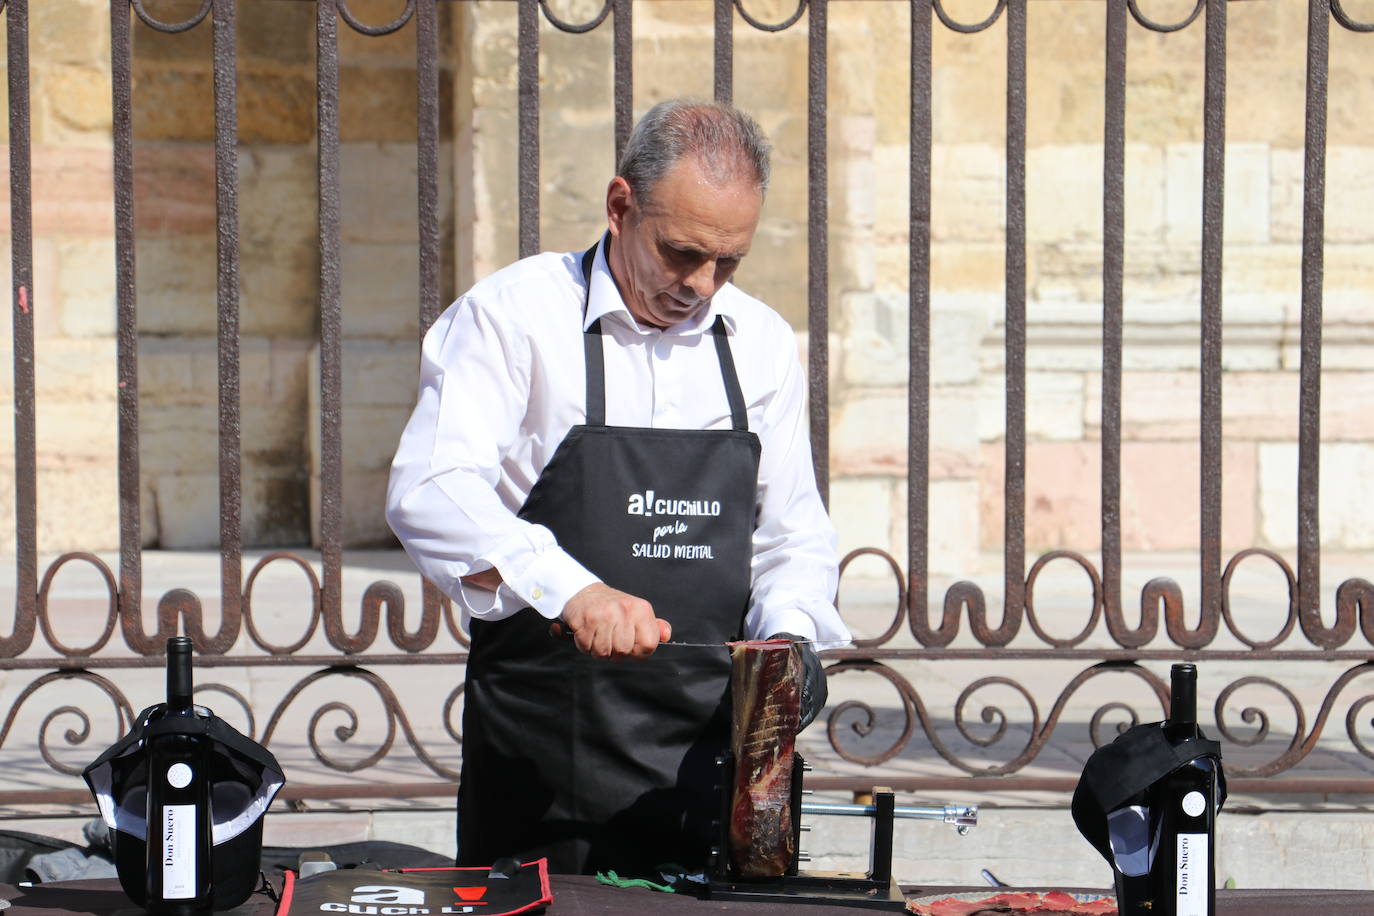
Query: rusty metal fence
x=359, y=653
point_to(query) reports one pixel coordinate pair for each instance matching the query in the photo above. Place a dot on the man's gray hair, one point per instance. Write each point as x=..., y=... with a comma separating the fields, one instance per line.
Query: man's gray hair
x=727, y=143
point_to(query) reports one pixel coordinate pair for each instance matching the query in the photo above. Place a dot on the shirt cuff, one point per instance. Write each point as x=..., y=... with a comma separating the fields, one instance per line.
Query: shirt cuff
x=790, y=620
x=548, y=581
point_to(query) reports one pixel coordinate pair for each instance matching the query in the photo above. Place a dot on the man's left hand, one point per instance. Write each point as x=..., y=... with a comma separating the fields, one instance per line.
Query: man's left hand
x=814, y=691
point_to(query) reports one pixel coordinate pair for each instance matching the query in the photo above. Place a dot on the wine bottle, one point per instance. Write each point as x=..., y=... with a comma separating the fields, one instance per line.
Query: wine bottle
x=1186, y=802
x=179, y=821
x=1163, y=838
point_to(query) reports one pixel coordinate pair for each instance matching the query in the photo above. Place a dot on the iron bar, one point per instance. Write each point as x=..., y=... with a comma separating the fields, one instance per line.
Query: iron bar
x=818, y=249
x=331, y=332
x=1310, y=365
x=24, y=302
x=528, y=88
x=724, y=55
x=1014, y=507
x=126, y=335
x=227, y=299
x=624, y=74
x=1213, y=196
x=918, y=319
x=427, y=174
x=1113, y=272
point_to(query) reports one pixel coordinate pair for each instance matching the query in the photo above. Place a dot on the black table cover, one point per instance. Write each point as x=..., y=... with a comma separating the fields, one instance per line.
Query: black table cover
x=582, y=896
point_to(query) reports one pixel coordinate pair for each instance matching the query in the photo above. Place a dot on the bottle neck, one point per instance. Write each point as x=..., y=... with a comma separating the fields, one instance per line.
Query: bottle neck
x=179, y=675
x=1183, y=698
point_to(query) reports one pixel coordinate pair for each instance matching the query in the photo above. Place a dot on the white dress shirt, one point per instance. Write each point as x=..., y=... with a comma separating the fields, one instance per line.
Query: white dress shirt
x=502, y=380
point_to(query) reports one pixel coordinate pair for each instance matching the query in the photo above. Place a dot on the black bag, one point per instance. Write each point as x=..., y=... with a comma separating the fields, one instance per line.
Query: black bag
x=482, y=890
x=244, y=779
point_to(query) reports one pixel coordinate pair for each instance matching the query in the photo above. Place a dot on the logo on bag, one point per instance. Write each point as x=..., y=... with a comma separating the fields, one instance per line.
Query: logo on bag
x=392, y=900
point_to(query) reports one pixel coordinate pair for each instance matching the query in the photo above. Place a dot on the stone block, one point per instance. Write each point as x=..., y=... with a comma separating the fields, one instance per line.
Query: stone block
x=276, y=508
x=364, y=510
x=1159, y=496
x=877, y=337
x=87, y=288
x=43, y=298
x=380, y=373
x=378, y=192
x=176, y=286
x=187, y=506
x=1055, y=406
x=1247, y=189
x=72, y=100
x=1349, y=195
x=379, y=103
x=282, y=33
x=1341, y=514
x=174, y=189
x=75, y=435
x=955, y=527
x=868, y=432
x=76, y=372
x=279, y=289
x=78, y=507
x=73, y=191
x=277, y=105
x=380, y=290
x=177, y=102
x=968, y=191
x=861, y=509
x=76, y=32
x=1286, y=168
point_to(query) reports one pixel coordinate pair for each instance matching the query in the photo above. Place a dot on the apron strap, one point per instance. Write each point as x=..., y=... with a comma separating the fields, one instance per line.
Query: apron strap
x=596, y=361
x=591, y=344
x=738, y=416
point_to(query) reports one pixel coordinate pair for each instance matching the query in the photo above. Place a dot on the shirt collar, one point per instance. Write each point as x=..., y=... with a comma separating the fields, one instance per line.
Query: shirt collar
x=605, y=301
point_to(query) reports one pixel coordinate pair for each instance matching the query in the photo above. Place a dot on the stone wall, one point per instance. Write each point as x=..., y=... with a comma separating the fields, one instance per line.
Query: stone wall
x=868, y=137
x=868, y=149
x=72, y=298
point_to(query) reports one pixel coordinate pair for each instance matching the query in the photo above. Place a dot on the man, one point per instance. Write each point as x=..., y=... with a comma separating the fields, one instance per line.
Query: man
x=614, y=441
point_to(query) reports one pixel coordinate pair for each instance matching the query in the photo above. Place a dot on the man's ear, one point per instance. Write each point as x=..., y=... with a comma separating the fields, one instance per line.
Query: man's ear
x=619, y=199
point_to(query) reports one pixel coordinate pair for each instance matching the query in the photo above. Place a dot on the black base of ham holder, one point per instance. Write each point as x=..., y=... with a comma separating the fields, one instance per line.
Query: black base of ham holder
x=875, y=890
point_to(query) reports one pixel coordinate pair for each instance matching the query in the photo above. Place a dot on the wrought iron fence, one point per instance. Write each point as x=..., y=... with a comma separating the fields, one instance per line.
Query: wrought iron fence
x=358, y=655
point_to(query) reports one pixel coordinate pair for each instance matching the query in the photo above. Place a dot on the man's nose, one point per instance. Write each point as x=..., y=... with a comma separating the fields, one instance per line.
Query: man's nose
x=701, y=279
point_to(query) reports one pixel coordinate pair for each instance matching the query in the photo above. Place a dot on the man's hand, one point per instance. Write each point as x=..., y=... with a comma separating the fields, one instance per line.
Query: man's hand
x=814, y=692
x=611, y=624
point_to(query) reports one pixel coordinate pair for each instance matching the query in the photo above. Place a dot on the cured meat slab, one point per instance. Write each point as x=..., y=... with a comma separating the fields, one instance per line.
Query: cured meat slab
x=765, y=691
x=1050, y=903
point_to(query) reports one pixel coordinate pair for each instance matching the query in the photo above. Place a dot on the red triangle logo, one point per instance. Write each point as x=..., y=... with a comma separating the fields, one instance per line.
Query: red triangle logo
x=468, y=894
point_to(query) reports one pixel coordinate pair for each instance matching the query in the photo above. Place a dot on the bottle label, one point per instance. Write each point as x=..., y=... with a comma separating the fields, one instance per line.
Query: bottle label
x=1194, y=803
x=178, y=852
x=1191, y=889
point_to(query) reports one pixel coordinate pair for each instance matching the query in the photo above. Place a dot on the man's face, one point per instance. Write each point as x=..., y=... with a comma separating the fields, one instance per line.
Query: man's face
x=672, y=253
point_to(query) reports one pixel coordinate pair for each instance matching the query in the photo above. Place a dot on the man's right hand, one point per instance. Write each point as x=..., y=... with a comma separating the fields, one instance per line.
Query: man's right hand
x=610, y=624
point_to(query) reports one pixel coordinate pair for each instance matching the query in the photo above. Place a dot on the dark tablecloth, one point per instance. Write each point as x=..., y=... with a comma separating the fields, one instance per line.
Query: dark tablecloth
x=579, y=896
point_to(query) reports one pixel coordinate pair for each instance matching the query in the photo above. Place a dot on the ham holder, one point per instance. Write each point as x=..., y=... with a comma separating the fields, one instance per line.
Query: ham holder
x=757, y=851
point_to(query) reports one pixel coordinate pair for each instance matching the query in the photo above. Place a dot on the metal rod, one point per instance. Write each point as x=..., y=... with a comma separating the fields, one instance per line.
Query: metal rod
x=818, y=254
x=130, y=594
x=1213, y=196
x=623, y=32
x=227, y=296
x=725, y=51
x=1014, y=499
x=527, y=65
x=962, y=815
x=1310, y=366
x=21, y=268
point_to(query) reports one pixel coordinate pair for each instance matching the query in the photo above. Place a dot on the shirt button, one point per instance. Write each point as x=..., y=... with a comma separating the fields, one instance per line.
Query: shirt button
x=663, y=348
x=537, y=594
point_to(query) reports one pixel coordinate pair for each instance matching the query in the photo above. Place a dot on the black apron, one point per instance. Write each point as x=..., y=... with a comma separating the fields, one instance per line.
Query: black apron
x=610, y=765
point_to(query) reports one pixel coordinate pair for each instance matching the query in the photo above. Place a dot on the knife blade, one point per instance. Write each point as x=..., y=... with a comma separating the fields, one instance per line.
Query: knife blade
x=559, y=628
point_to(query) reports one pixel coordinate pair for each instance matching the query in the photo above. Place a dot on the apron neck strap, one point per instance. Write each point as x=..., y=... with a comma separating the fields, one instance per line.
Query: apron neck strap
x=596, y=360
